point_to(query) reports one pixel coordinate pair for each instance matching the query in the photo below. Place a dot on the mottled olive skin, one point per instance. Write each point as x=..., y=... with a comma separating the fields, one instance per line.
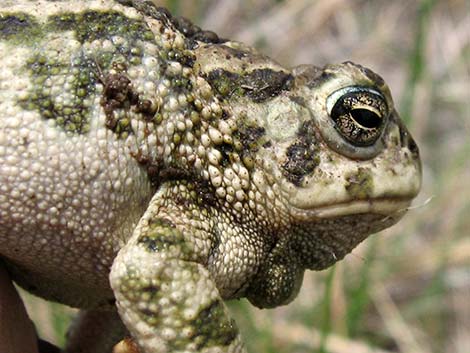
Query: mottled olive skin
x=155, y=168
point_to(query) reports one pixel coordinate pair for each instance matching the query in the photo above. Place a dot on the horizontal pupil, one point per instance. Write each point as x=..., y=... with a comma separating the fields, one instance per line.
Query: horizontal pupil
x=366, y=118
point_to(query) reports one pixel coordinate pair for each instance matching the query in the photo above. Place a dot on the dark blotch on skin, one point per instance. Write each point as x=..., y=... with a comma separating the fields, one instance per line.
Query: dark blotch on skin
x=118, y=94
x=150, y=243
x=262, y=84
x=74, y=116
x=180, y=84
x=18, y=26
x=301, y=156
x=251, y=137
x=205, y=194
x=158, y=242
x=208, y=37
x=193, y=32
x=224, y=82
x=162, y=235
x=300, y=162
x=320, y=79
x=149, y=9
x=215, y=243
x=63, y=22
x=259, y=85
x=185, y=58
x=98, y=25
x=186, y=27
x=92, y=25
x=85, y=72
x=158, y=173
x=213, y=328
x=172, y=173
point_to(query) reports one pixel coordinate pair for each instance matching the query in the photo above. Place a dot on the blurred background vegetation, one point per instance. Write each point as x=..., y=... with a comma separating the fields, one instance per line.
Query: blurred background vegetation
x=407, y=289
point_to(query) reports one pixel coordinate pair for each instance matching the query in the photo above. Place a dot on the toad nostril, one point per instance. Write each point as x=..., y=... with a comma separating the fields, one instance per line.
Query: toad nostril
x=412, y=145
x=407, y=140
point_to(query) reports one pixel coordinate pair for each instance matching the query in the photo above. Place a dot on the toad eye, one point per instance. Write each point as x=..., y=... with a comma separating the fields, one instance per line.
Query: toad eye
x=359, y=114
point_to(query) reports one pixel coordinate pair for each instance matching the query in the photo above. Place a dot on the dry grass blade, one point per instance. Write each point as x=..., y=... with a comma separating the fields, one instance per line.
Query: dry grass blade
x=394, y=322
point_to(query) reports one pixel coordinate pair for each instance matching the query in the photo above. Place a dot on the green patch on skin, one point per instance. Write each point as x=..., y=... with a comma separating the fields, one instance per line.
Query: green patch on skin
x=225, y=83
x=162, y=222
x=93, y=25
x=360, y=184
x=79, y=77
x=248, y=138
x=181, y=84
x=81, y=73
x=19, y=28
x=151, y=314
x=157, y=242
x=213, y=328
x=62, y=22
x=162, y=236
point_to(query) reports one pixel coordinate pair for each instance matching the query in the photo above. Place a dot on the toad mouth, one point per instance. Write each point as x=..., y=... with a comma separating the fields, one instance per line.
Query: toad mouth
x=387, y=207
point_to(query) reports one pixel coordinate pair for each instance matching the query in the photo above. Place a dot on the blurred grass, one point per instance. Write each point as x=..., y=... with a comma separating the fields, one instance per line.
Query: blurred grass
x=326, y=306
x=417, y=58
x=408, y=289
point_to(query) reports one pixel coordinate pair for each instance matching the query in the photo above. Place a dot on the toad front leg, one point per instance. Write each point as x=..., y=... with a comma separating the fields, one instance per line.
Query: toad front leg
x=164, y=293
